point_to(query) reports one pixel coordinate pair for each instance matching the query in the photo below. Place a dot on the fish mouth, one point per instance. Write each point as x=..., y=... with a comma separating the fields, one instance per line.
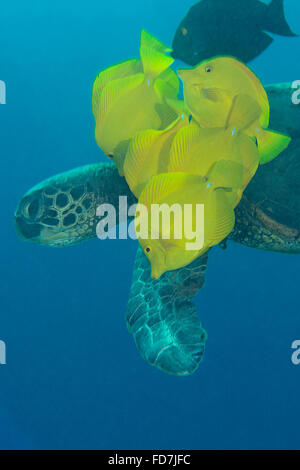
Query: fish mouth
x=159, y=270
x=156, y=273
x=182, y=73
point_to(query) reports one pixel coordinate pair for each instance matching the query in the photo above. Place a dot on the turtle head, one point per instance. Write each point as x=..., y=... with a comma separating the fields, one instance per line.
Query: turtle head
x=55, y=215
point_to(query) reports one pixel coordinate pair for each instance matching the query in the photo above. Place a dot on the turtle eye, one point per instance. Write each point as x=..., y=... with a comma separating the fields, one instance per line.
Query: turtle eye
x=148, y=249
x=208, y=69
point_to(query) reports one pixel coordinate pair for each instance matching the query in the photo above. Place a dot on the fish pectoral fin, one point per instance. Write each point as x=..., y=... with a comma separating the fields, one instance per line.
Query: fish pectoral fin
x=271, y=144
x=115, y=89
x=243, y=113
x=226, y=174
x=214, y=94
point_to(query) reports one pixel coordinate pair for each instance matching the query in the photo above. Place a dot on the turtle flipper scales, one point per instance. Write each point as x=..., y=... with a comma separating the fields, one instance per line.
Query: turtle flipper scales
x=162, y=317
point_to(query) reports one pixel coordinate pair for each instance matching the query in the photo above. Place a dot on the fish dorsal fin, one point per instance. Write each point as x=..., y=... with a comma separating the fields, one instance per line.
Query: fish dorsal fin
x=224, y=218
x=243, y=113
x=115, y=89
x=137, y=153
x=122, y=70
x=271, y=144
x=182, y=147
x=149, y=41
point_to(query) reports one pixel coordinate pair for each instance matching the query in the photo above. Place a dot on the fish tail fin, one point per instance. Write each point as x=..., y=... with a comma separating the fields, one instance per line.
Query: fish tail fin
x=121, y=70
x=112, y=91
x=147, y=40
x=178, y=106
x=271, y=144
x=275, y=20
x=224, y=217
x=170, y=77
x=153, y=55
x=243, y=113
x=167, y=116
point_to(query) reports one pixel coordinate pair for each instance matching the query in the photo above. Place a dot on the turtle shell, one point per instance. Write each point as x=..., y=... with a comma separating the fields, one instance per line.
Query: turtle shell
x=275, y=190
x=268, y=216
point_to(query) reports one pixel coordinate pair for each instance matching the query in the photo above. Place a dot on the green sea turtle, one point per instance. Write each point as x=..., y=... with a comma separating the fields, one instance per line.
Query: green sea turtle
x=161, y=314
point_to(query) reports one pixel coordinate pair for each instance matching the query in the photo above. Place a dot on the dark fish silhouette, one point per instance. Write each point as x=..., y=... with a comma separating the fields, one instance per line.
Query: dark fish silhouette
x=229, y=27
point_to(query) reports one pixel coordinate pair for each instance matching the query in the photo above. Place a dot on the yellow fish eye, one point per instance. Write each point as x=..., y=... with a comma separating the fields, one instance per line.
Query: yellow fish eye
x=110, y=155
x=208, y=69
x=184, y=31
x=147, y=249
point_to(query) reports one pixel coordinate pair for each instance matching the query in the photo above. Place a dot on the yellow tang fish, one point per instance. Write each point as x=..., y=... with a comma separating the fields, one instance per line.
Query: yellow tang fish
x=179, y=217
x=148, y=153
x=195, y=150
x=209, y=90
x=130, y=97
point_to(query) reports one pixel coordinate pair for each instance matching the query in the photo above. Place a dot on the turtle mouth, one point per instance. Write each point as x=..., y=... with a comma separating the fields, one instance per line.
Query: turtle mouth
x=27, y=231
x=41, y=234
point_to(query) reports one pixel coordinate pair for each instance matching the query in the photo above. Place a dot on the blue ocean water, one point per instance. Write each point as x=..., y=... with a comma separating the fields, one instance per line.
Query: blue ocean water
x=73, y=378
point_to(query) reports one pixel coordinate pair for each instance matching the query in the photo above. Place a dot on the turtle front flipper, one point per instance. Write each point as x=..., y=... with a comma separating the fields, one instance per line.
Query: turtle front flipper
x=61, y=210
x=162, y=317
